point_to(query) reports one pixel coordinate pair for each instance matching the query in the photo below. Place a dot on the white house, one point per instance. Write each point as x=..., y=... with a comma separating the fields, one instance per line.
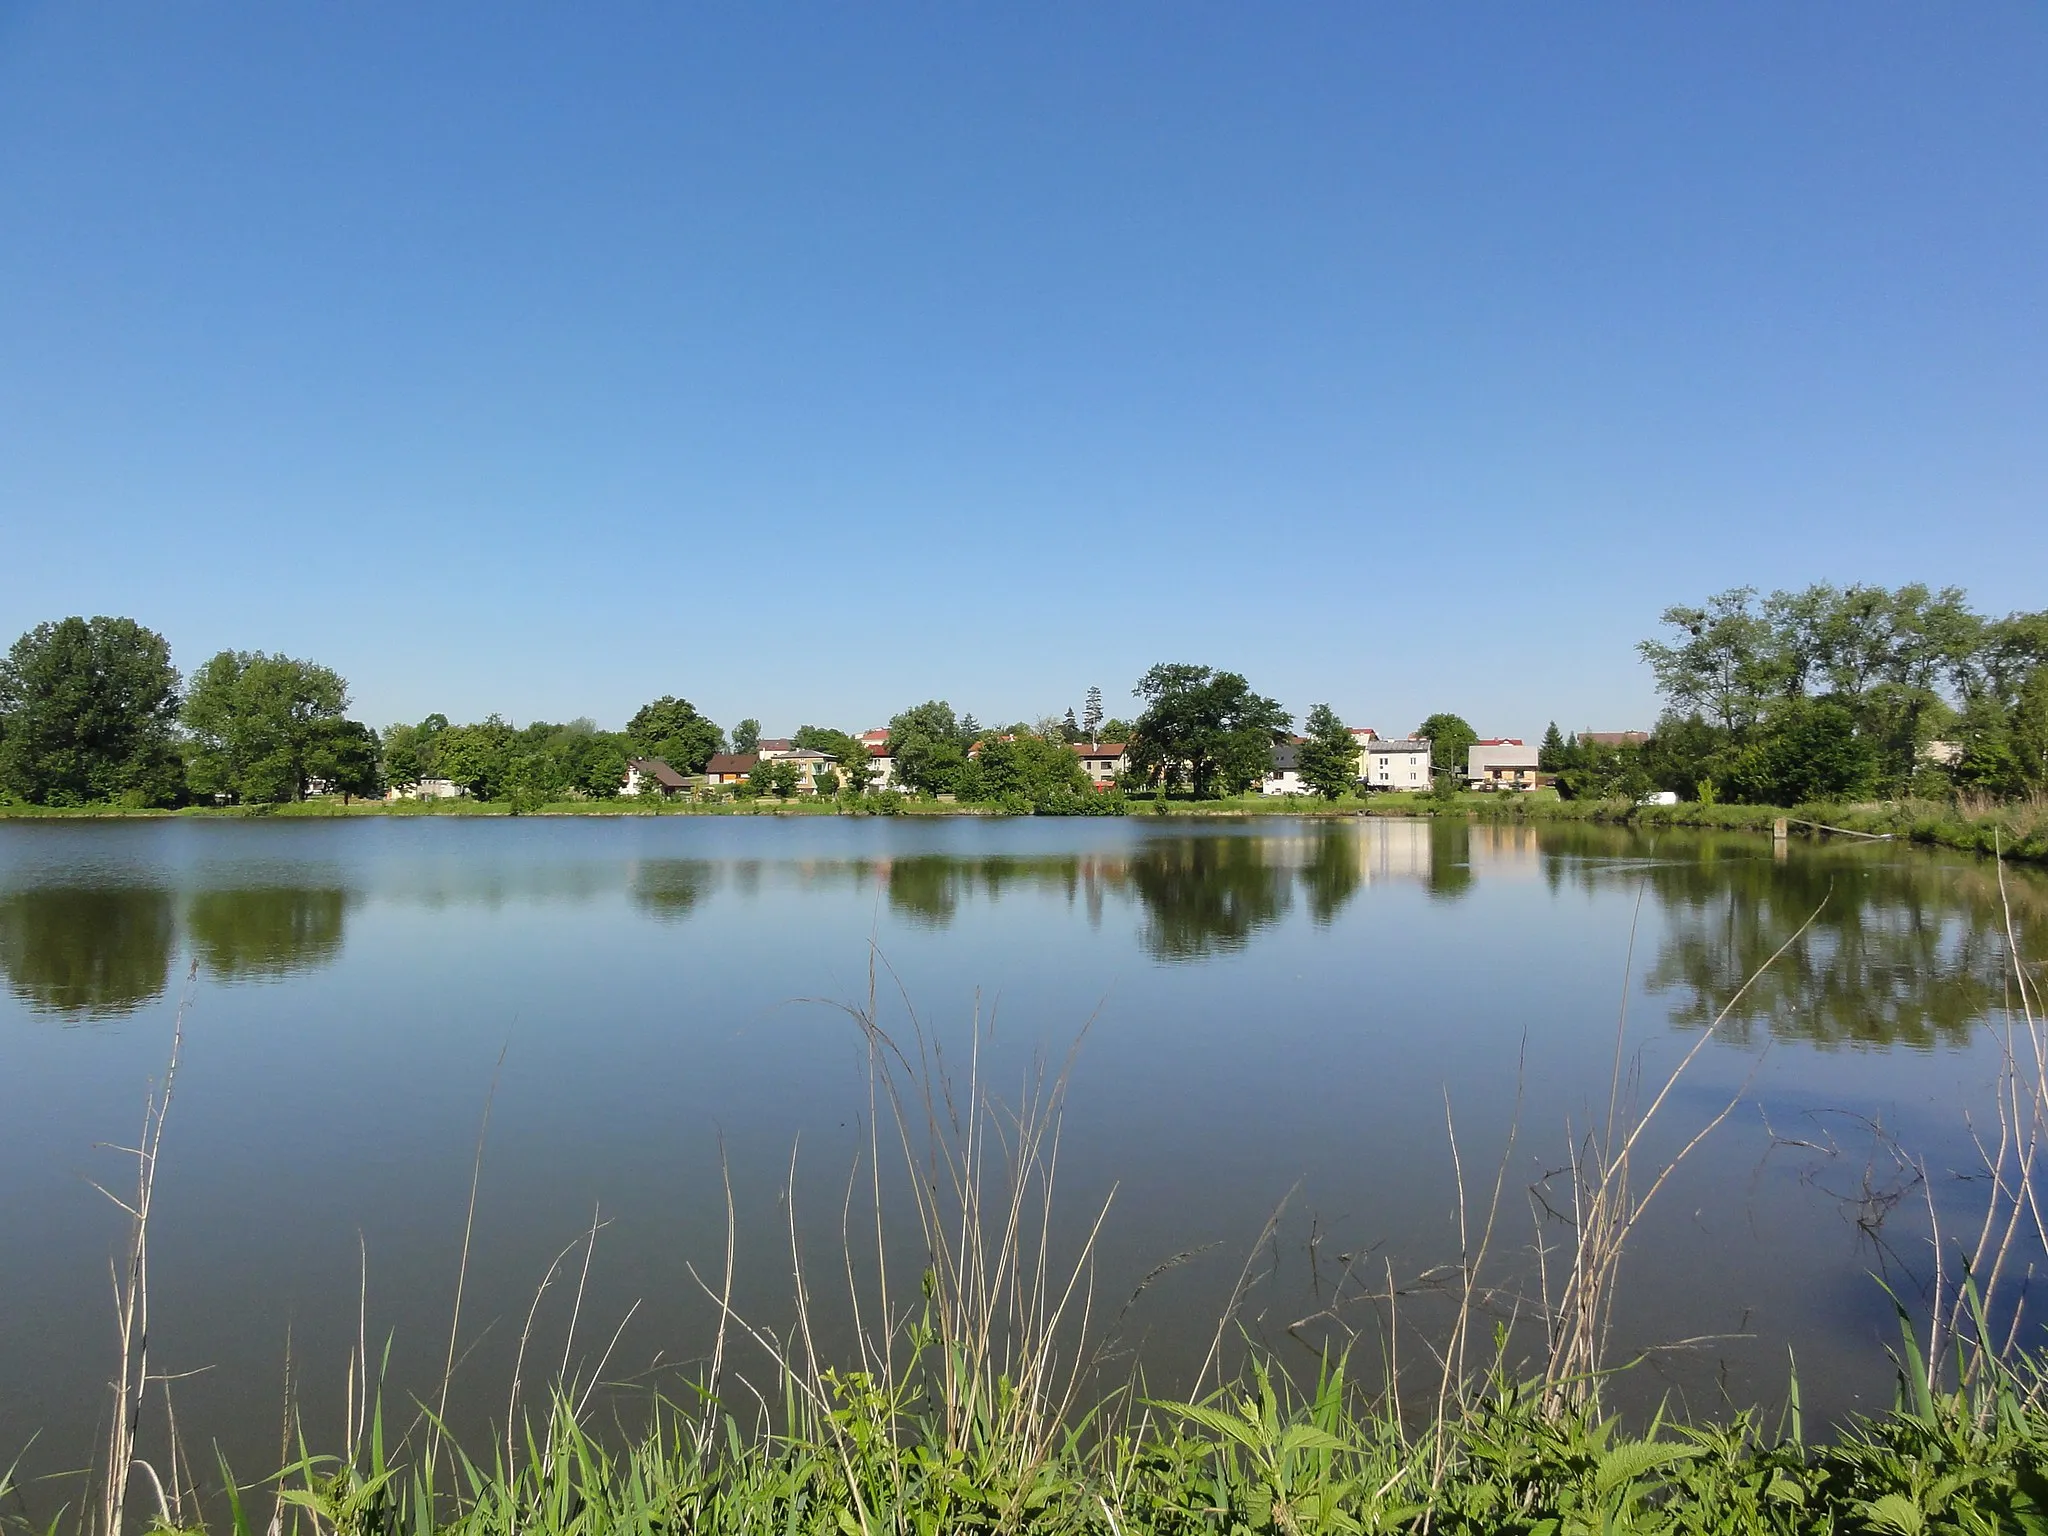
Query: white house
x=1402, y=764
x=1284, y=776
x=652, y=776
x=425, y=789
x=1103, y=761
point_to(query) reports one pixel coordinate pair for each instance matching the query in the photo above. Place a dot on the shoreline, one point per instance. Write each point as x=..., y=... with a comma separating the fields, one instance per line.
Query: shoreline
x=2015, y=832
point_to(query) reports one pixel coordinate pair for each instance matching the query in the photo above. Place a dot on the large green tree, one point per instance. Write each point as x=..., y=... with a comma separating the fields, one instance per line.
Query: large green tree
x=926, y=742
x=746, y=737
x=1450, y=742
x=1203, y=729
x=87, y=710
x=260, y=727
x=671, y=729
x=1329, y=758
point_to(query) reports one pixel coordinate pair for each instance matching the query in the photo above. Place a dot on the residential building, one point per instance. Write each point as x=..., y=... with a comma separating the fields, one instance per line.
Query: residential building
x=1502, y=762
x=1943, y=754
x=881, y=763
x=1363, y=736
x=425, y=789
x=1103, y=761
x=1402, y=764
x=773, y=747
x=731, y=767
x=1284, y=776
x=652, y=776
x=1613, y=738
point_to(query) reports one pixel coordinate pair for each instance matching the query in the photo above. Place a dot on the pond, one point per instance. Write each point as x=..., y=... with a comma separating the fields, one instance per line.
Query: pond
x=1274, y=1017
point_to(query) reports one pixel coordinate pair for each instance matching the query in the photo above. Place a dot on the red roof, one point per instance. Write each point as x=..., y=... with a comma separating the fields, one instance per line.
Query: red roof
x=1501, y=741
x=878, y=749
x=1097, y=748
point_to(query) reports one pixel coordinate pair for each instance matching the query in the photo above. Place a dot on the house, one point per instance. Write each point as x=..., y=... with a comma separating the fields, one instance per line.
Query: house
x=1402, y=764
x=1103, y=761
x=1943, y=754
x=652, y=776
x=881, y=763
x=1613, y=738
x=425, y=789
x=873, y=739
x=1284, y=776
x=774, y=747
x=809, y=764
x=1502, y=762
x=731, y=767
x=1363, y=736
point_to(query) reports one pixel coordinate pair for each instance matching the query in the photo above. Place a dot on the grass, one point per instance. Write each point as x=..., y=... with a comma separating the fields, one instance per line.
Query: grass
x=974, y=1394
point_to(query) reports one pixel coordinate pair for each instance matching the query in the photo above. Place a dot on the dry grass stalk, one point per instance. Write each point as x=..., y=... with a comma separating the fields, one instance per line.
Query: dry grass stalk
x=1605, y=1208
x=131, y=1297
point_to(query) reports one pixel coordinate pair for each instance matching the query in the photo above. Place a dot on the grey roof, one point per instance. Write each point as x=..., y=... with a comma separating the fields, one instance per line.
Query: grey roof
x=1286, y=758
x=1419, y=744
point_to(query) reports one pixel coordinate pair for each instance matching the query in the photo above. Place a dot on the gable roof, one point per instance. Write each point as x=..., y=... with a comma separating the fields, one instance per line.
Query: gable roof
x=1097, y=748
x=733, y=762
x=657, y=769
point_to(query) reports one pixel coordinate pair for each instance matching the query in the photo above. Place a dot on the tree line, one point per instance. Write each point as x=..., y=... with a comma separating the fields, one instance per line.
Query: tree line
x=1828, y=693
x=1831, y=693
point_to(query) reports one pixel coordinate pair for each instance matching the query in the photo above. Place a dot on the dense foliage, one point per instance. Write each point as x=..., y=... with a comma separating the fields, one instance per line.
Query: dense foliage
x=1329, y=758
x=1840, y=693
x=88, y=709
x=263, y=729
x=1450, y=739
x=1203, y=731
x=671, y=729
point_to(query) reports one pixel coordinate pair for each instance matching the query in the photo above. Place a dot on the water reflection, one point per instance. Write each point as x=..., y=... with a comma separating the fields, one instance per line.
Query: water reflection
x=85, y=951
x=264, y=932
x=1902, y=950
x=669, y=889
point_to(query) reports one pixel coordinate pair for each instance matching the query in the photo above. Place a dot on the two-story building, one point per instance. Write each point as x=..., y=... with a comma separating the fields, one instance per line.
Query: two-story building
x=1397, y=764
x=1103, y=761
x=1283, y=775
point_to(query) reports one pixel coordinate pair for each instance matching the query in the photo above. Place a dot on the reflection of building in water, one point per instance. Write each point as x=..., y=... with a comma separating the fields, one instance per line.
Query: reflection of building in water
x=1394, y=850
x=1506, y=851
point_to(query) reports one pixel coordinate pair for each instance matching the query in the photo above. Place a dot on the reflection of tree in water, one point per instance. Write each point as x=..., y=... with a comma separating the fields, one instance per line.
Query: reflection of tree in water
x=1450, y=858
x=1331, y=876
x=86, y=952
x=1204, y=894
x=927, y=889
x=264, y=931
x=1907, y=950
x=670, y=888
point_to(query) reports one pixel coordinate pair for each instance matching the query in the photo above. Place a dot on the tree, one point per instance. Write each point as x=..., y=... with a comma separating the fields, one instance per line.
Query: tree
x=1329, y=759
x=1550, y=755
x=671, y=729
x=777, y=776
x=410, y=753
x=87, y=709
x=1070, y=729
x=1091, y=713
x=746, y=737
x=1721, y=662
x=1809, y=749
x=478, y=757
x=260, y=724
x=1450, y=742
x=927, y=747
x=1112, y=730
x=347, y=757
x=1203, y=728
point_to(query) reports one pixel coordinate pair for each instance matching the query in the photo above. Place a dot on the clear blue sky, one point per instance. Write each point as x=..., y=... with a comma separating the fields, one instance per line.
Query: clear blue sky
x=810, y=361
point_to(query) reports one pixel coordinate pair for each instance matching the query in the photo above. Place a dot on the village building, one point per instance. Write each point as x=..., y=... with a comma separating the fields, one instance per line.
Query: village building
x=652, y=776
x=425, y=789
x=1502, y=762
x=1103, y=761
x=730, y=767
x=1402, y=764
x=1283, y=777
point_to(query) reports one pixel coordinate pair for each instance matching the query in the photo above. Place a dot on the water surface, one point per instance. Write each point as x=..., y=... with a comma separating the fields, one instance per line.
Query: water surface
x=1273, y=1012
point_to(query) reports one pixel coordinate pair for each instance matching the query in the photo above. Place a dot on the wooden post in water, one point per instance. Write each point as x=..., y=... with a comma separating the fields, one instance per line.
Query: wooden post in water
x=1781, y=832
